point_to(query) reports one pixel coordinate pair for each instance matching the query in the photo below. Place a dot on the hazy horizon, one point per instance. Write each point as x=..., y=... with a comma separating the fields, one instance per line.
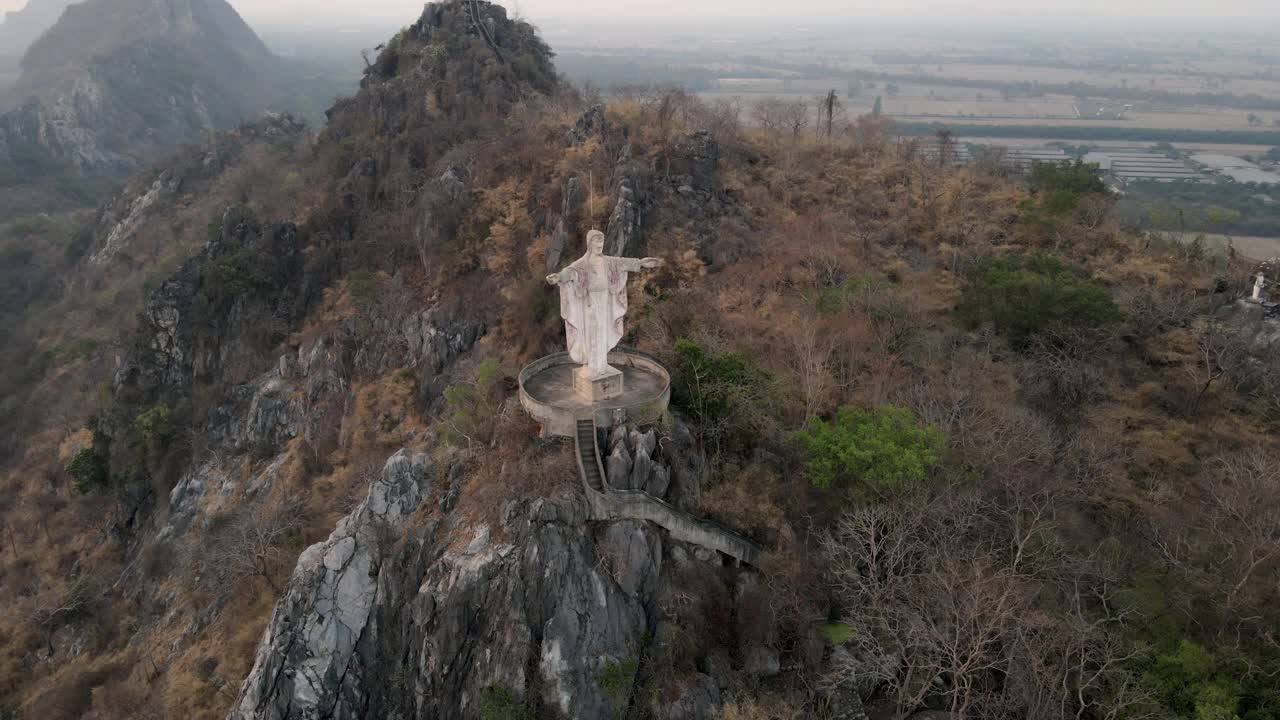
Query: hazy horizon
x=1164, y=16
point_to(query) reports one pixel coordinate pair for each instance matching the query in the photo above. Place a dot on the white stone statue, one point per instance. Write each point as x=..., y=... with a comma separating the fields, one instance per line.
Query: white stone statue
x=593, y=303
x=1259, y=283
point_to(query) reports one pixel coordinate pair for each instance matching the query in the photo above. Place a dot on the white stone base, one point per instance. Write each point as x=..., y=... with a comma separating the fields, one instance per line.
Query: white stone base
x=595, y=388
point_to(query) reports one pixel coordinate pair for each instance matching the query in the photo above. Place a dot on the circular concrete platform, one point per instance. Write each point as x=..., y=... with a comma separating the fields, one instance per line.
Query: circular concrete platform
x=547, y=394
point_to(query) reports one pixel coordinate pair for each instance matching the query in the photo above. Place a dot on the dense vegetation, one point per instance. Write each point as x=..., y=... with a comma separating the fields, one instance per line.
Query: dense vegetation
x=1099, y=132
x=1220, y=207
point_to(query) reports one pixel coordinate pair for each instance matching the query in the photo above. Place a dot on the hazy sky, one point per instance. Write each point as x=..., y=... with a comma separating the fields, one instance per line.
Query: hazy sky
x=1191, y=13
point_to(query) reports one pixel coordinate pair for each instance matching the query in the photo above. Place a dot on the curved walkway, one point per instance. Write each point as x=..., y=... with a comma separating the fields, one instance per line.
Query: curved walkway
x=610, y=504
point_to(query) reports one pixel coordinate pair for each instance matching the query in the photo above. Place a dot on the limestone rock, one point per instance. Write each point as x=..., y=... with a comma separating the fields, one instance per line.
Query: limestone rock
x=762, y=661
x=623, y=236
x=589, y=123
x=618, y=468
x=698, y=699
x=564, y=223
x=306, y=654
x=270, y=421
x=641, y=468
x=659, y=481
x=647, y=441
x=634, y=551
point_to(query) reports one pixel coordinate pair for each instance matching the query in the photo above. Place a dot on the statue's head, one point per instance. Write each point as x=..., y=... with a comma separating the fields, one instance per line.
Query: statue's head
x=595, y=243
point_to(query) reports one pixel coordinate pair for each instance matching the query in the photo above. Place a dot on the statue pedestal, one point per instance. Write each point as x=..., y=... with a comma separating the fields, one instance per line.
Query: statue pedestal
x=595, y=388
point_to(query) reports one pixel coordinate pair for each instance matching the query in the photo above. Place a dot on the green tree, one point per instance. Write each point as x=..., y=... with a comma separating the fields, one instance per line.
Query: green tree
x=88, y=470
x=864, y=454
x=1058, y=189
x=877, y=108
x=154, y=428
x=1025, y=295
x=471, y=411
x=719, y=390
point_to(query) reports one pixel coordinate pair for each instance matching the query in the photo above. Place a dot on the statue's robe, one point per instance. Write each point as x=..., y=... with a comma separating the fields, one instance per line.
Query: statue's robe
x=593, y=303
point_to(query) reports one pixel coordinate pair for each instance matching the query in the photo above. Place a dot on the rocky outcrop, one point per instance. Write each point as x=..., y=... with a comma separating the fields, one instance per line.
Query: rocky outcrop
x=116, y=84
x=196, y=323
x=634, y=463
x=129, y=218
x=549, y=610
x=564, y=223
x=306, y=662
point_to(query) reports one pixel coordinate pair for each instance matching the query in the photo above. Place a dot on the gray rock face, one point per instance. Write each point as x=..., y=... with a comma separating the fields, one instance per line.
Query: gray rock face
x=636, y=462
x=641, y=468
x=699, y=699
x=181, y=339
x=618, y=468
x=305, y=660
x=422, y=633
x=623, y=236
x=134, y=213
x=564, y=222
x=591, y=122
x=435, y=339
x=111, y=86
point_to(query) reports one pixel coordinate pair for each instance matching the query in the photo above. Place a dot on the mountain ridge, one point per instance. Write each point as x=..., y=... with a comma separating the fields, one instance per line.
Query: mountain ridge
x=19, y=28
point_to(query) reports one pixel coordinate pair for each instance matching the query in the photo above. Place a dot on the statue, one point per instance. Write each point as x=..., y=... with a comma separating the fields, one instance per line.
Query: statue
x=1259, y=283
x=593, y=303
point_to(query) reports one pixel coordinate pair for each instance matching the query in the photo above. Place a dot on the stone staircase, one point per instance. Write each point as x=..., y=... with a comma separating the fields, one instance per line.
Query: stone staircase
x=610, y=504
x=588, y=456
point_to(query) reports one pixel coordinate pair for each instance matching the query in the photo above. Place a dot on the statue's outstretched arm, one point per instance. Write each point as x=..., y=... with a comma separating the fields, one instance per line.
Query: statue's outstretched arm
x=564, y=276
x=636, y=265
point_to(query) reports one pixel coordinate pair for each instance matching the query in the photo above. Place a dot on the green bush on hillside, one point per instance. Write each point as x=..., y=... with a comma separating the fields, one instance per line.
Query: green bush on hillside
x=499, y=703
x=471, y=408
x=864, y=454
x=1025, y=295
x=719, y=390
x=1057, y=190
x=88, y=471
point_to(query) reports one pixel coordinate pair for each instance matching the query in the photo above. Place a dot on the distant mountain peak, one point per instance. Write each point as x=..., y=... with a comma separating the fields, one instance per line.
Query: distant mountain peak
x=94, y=29
x=19, y=28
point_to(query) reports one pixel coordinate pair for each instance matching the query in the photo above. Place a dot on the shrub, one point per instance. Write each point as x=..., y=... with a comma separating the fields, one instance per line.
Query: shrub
x=1024, y=295
x=720, y=390
x=499, y=703
x=88, y=470
x=617, y=680
x=154, y=428
x=1058, y=190
x=471, y=410
x=362, y=284
x=863, y=454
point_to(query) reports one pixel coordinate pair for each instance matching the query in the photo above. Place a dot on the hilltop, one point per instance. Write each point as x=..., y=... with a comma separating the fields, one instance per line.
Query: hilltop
x=21, y=27
x=261, y=455
x=115, y=84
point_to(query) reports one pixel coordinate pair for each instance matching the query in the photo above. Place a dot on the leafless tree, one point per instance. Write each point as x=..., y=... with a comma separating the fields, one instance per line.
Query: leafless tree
x=1216, y=348
x=255, y=543
x=809, y=361
x=796, y=115
x=1244, y=516
x=76, y=599
x=946, y=597
x=770, y=115
x=829, y=107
